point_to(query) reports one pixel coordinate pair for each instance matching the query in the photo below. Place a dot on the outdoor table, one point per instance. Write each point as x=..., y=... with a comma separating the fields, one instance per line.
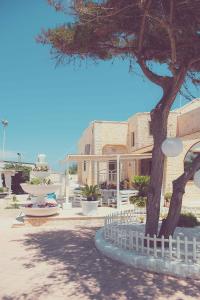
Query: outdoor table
x=108, y=194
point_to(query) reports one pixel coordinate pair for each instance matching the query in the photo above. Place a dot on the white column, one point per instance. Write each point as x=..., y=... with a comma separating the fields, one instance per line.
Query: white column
x=8, y=180
x=118, y=182
x=1, y=182
x=97, y=170
x=107, y=163
x=67, y=204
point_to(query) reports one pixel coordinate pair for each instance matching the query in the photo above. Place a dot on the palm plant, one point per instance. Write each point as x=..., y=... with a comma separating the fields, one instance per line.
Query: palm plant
x=91, y=192
x=141, y=183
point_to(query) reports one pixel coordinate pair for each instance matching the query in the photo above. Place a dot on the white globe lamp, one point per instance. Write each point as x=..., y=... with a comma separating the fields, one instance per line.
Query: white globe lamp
x=172, y=147
x=197, y=179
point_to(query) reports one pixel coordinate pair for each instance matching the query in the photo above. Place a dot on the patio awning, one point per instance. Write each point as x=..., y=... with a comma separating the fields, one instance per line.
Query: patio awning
x=104, y=158
x=83, y=157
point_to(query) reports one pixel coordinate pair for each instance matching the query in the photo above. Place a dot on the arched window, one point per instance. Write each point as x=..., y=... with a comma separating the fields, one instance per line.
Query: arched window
x=191, y=155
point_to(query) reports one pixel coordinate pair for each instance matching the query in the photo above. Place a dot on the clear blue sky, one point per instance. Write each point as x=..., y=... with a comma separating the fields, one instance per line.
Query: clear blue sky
x=48, y=107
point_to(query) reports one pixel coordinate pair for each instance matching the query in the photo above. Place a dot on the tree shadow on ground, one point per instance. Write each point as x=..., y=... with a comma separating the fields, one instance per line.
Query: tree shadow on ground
x=79, y=264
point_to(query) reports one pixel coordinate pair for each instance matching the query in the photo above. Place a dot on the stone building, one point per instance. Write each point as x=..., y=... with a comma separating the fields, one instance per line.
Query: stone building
x=134, y=136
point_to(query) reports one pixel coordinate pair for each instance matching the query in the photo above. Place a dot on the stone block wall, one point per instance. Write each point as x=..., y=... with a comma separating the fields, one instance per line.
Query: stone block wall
x=140, y=125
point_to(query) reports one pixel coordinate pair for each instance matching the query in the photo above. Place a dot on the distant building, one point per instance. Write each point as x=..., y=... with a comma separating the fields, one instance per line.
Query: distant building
x=12, y=162
x=134, y=136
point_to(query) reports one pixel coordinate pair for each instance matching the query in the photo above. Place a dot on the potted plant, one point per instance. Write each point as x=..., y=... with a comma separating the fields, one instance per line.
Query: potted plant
x=90, y=203
x=141, y=183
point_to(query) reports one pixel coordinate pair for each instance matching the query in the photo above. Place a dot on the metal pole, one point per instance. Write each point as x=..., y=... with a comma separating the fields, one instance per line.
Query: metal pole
x=5, y=124
x=67, y=204
x=4, y=141
x=19, y=158
x=118, y=181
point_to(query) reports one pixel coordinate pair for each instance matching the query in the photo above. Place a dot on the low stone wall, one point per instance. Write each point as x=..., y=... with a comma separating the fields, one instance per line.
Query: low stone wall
x=146, y=263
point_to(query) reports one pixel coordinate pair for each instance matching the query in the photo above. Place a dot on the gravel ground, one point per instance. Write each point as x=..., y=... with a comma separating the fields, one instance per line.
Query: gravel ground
x=61, y=262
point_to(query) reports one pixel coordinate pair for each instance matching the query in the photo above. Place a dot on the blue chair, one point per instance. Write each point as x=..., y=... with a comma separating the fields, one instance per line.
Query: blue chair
x=51, y=196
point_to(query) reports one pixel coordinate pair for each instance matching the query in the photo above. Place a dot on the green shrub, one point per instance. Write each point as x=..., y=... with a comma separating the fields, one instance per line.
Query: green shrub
x=39, y=180
x=187, y=220
x=139, y=201
x=168, y=196
x=141, y=183
x=25, y=171
x=73, y=169
x=36, y=181
x=1, y=190
x=15, y=202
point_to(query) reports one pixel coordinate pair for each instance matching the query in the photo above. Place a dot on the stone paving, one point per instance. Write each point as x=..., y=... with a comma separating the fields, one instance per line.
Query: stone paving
x=61, y=262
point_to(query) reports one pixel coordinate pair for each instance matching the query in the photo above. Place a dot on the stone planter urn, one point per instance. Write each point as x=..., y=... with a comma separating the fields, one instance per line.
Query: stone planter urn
x=89, y=208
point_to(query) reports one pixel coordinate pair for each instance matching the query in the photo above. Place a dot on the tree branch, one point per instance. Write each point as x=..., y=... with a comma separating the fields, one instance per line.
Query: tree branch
x=159, y=80
x=189, y=172
x=169, y=29
x=79, y=8
x=171, y=88
x=142, y=29
x=194, y=61
x=171, y=32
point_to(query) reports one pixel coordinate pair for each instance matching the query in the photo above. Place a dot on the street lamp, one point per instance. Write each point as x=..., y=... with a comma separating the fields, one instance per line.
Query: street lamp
x=5, y=124
x=172, y=147
x=19, y=157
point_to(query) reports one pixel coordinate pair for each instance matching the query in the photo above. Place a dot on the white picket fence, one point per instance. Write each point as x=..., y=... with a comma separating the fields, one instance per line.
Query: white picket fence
x=118, y=231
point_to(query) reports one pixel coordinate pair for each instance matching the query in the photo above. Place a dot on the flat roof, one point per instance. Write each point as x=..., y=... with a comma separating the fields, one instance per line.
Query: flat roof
x=128, y=156
x=16, y=162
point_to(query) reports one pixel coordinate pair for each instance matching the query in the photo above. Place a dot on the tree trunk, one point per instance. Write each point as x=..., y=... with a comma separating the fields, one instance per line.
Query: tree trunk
x=159, y=128
x=159, y=118
x=169, y=224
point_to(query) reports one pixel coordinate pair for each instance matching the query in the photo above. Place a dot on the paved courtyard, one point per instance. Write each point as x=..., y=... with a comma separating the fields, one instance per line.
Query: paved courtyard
x=61, y=262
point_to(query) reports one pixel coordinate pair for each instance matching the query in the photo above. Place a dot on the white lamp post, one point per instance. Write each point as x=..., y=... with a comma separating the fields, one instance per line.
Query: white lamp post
x=5, y=124
x=172, y=147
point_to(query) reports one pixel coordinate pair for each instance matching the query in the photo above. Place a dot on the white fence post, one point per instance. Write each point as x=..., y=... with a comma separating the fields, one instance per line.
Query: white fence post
x=194, y=245
x=154, y=246
x=148, y=244
x=186, y=248
x=178, y=250
x=137, y=239
x=142, y=242
x=170, y=247
x=162, y=246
